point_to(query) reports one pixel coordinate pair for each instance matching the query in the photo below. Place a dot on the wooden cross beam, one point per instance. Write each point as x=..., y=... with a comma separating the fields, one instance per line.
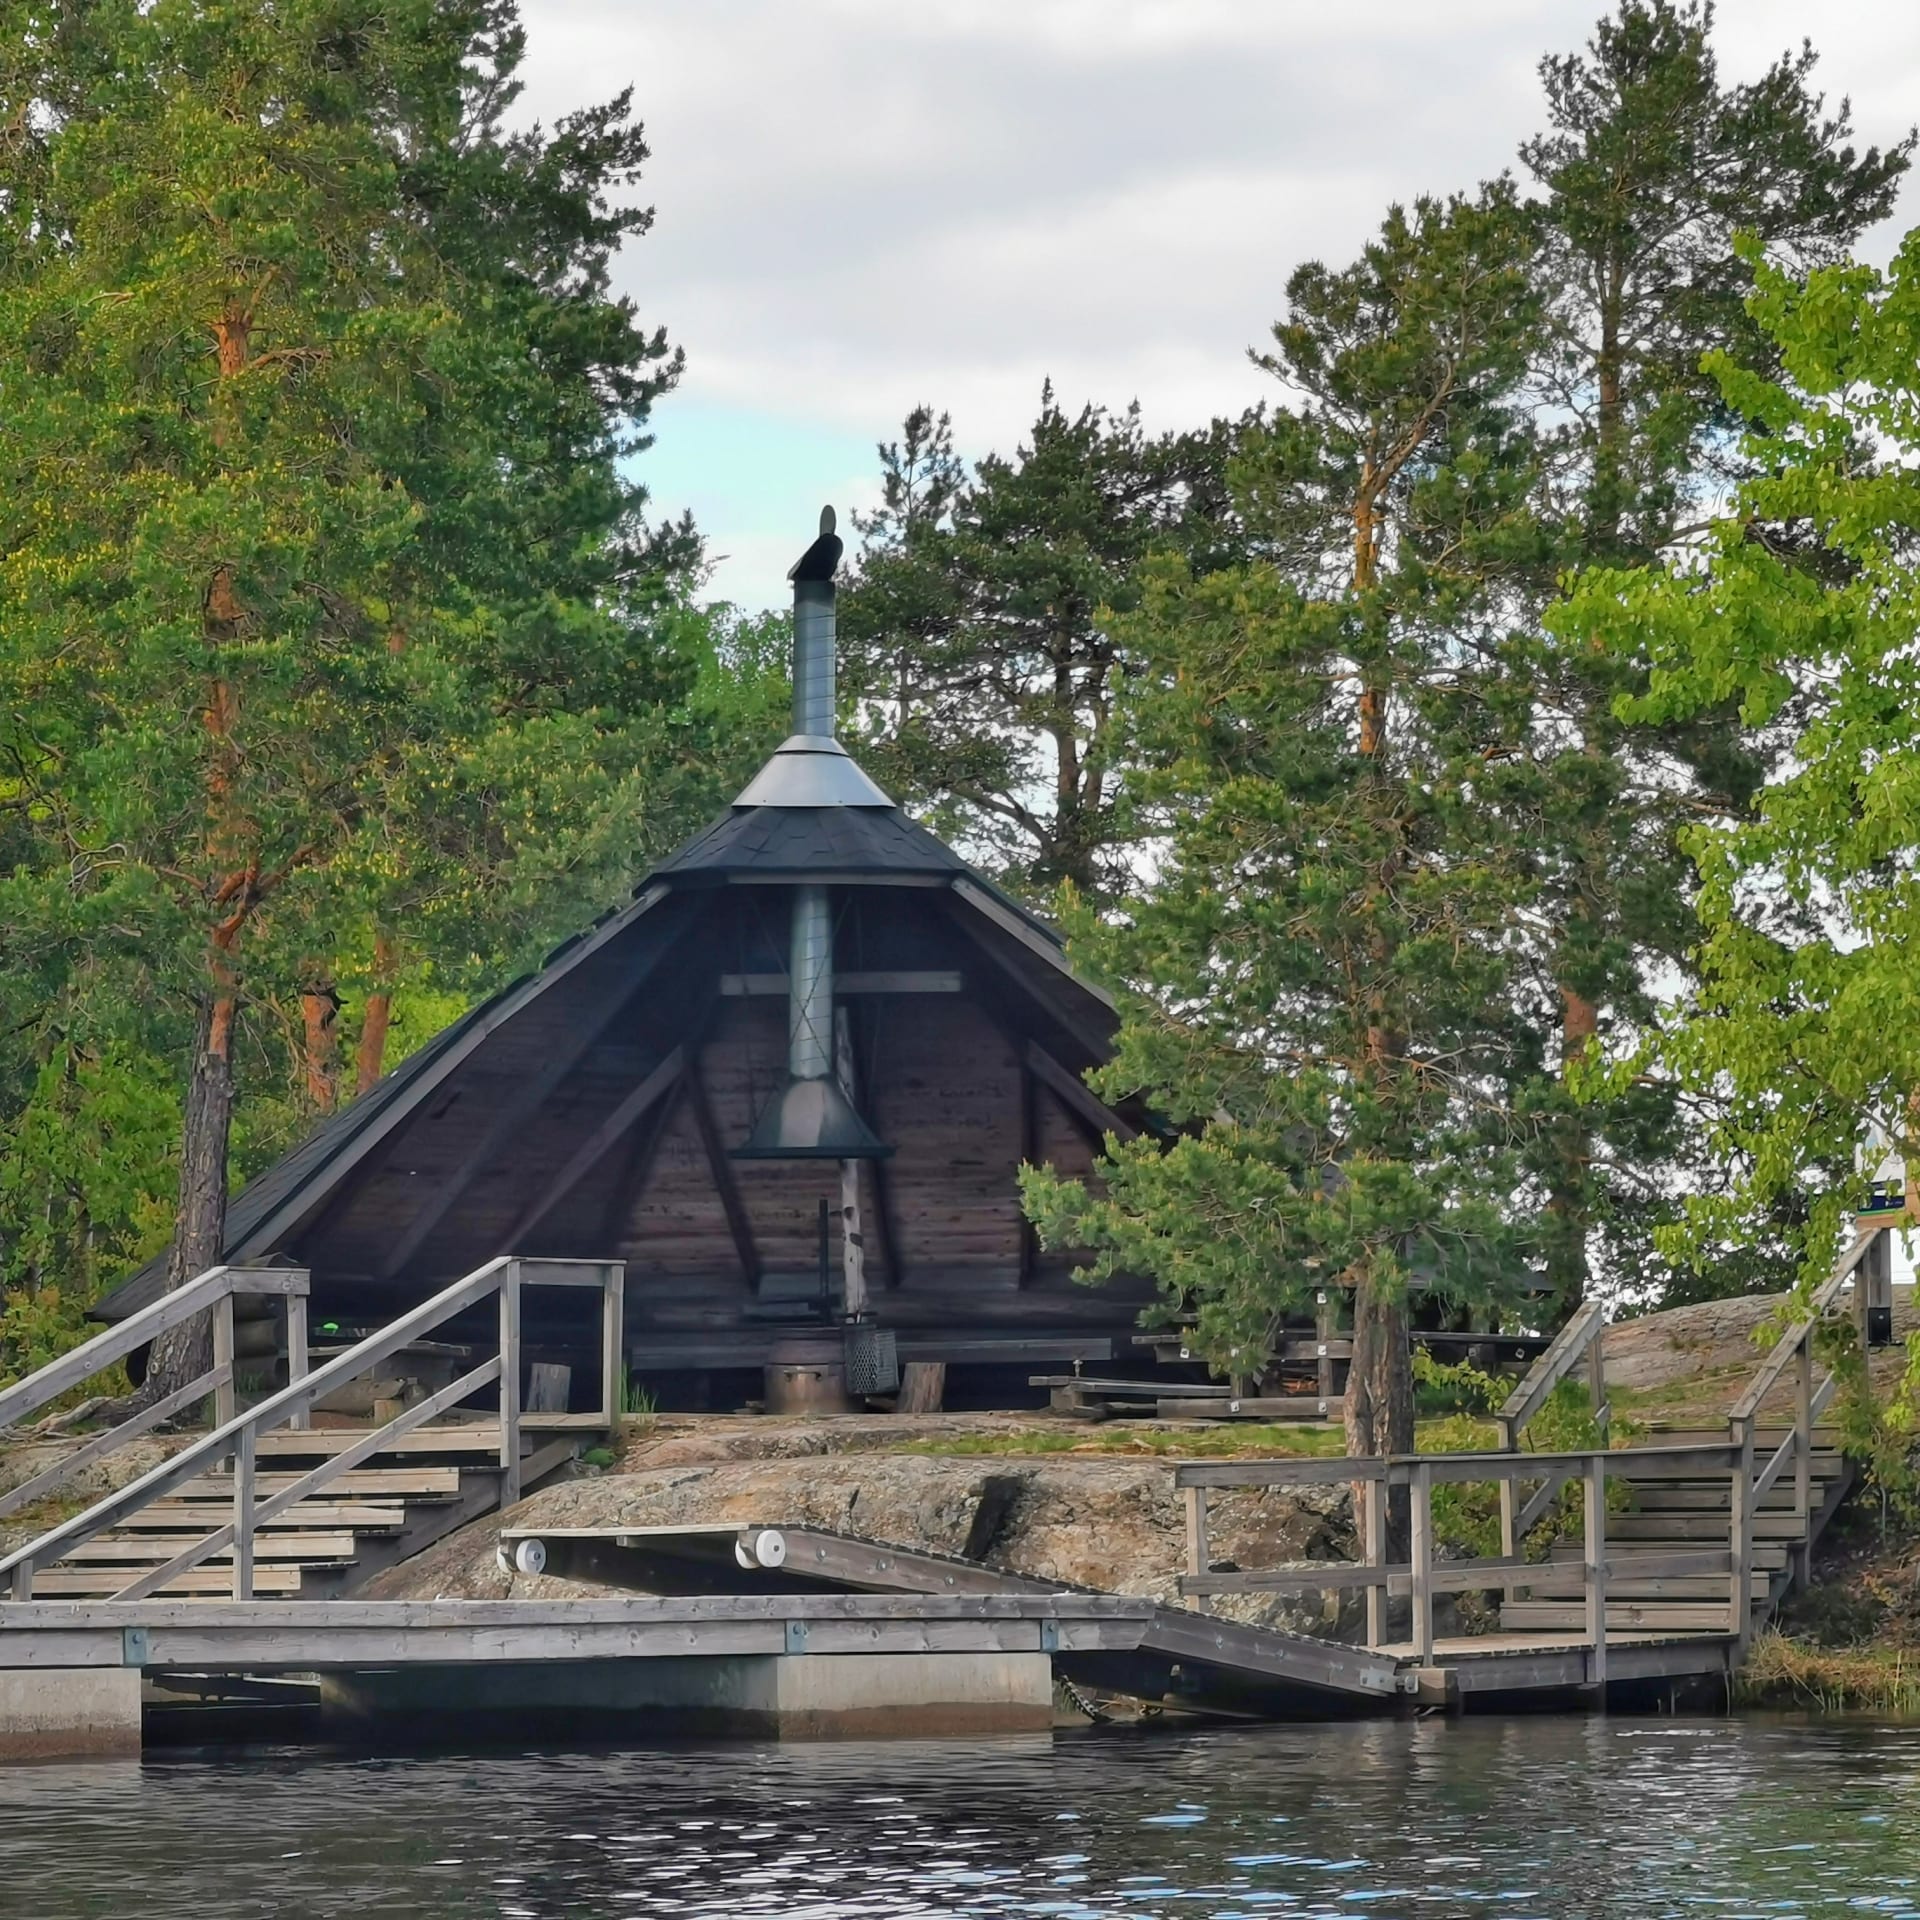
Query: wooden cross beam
x=511, y=1121
x=738, y=1223
x=1080, y=1100
x=604, y=1139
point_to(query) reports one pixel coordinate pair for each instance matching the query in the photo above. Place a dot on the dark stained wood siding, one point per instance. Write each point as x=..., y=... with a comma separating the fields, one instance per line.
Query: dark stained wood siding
x=940, y=1078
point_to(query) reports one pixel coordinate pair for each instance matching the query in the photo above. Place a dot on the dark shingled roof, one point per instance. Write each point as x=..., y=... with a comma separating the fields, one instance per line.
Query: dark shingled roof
x=766, y=841
x=811, y=840
x=824, y=840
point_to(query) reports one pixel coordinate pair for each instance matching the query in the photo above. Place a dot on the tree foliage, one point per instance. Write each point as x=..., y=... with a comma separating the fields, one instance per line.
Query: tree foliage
x=328, y=618
x=1802, y=615
x=979, y=638
x=1649, y=166
x=1320, y=971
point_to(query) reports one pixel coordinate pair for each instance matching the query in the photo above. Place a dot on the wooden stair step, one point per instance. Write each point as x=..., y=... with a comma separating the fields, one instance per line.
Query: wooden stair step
x=409, y=1483
x=1778, y=1497
x=156, y=1549
x=184, y=1516
x=1651, y=1616
x=1768, y=1555
x=1768, y=1436
x=1564, y=1586
x=1699, y=1526
x=321, y=1443
x=200, y=1583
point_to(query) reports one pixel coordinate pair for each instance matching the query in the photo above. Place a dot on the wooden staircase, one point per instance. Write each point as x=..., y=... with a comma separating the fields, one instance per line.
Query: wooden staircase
x=1791, y=1484
x=266, y=1506
x=325, y=1546
x=1666, y=1517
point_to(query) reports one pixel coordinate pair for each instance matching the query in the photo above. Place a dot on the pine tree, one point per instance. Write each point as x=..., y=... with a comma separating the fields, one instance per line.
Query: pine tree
x=1650, y=166
x=1806, y=1022
x=313, y=500
x=978, y=645
x=1321, y=965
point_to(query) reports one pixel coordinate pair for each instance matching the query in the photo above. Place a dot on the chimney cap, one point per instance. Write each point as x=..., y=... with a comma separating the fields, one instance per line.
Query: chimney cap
x=809, y=771
x=820, y=559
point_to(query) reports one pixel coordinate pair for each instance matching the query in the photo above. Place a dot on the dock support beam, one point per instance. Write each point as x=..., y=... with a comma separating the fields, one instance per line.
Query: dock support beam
x=69, y=1713
x=795, y=1696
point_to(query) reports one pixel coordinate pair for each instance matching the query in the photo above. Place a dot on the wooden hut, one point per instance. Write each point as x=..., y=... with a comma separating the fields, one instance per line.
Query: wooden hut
x=789, y=1086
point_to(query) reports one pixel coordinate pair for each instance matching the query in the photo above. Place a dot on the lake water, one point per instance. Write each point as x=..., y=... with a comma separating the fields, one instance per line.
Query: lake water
x=1534, y=1819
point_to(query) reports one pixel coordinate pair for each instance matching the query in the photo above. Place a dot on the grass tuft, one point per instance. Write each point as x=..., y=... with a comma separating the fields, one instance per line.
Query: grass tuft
x=1789, y=1673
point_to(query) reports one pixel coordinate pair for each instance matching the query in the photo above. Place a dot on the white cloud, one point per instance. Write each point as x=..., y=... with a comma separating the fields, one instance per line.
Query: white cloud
x=866, y=203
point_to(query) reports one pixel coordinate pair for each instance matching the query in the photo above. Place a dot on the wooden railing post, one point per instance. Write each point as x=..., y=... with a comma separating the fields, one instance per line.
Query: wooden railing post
x=1199, y=1555
x=297, y=1357
x=510, y=1384
x=1374, y=1495
x=1594, y=1554
x=1597, y=1383
x=1802, y=1552
x=1423, y=1562
x=1509, y=1497
x=223, y=1359
x=613, y=1356
x=1740, y=1540
x=243, y=1482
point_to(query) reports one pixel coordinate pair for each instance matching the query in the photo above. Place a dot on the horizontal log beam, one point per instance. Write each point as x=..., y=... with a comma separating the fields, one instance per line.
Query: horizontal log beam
x=770, y=986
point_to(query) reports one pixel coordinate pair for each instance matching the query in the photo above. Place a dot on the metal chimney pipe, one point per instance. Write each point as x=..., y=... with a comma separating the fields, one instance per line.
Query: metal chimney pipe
x=813, y=662
x=810, y=981
x=812, y=1117
x=810, y=986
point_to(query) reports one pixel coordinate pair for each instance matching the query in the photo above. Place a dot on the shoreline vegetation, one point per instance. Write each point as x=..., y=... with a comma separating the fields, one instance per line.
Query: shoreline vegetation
x=1783, y=1671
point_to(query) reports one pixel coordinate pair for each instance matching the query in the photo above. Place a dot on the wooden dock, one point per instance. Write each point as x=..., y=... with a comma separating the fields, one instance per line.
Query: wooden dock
x=238, y=1553
x=226, y=1637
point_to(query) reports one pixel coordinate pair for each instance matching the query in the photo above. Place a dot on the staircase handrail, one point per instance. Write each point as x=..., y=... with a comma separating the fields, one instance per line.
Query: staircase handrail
x=173, y=1309
x=1588, y=1321
x=1789, y=1344
x=238, y=1435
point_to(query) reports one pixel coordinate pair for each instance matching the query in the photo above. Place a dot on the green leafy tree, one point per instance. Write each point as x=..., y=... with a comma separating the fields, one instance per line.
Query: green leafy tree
x=1649, y=166
x=1801, y=614
x=1320, y=969
x=979, y=645
x=309, y=491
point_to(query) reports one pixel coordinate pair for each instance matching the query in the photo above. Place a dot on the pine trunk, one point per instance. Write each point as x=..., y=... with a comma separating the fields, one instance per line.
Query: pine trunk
x=199, y=1240
x=370, y=1060
x=320, y=1042
x=1379, y=1417
x=1567, y=1199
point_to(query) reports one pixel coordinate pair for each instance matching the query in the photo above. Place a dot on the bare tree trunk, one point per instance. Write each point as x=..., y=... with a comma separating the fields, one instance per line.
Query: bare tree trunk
x=200, y=1232
x=1380, y=1393
x=320, y=1040
x=1566, y=1196
x=370, y=1060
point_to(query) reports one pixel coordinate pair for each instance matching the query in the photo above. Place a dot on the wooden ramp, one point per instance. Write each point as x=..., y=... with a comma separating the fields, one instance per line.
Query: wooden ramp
x=1180, y=1653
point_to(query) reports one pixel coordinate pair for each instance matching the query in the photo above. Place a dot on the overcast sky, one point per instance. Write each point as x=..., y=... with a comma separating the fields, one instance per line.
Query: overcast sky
x=862, y=204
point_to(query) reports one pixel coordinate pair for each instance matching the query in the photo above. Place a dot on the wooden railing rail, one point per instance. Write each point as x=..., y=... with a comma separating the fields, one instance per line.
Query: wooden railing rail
x=1582, y=1337
x=1423, y=1575
x=236, y=1438
x=1577, y=1339
x=214, y=1292
x=1811, y=1398
x=205, y=1291
x=1797, y=1337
